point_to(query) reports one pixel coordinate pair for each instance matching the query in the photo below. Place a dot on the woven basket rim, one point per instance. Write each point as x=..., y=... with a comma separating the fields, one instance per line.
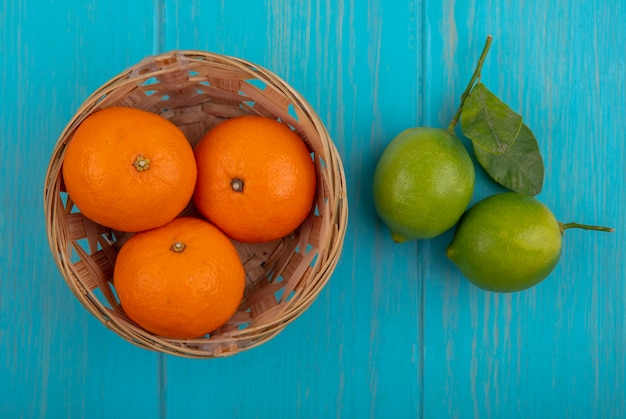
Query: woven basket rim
x=255, y=335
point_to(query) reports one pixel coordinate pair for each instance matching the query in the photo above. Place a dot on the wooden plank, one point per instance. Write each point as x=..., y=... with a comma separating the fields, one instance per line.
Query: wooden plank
x=556, y=350
x=55, y=359
x=397, y=332
x=356, y=351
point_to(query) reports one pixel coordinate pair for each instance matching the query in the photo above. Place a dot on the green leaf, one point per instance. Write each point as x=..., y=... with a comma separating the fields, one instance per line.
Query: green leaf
x=488, y=121
x=520, y=168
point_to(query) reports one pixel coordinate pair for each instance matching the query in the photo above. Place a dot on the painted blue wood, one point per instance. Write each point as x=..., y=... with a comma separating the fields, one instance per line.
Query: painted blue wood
x=556, y=350
x=55, y=359
x=397, y=332
x=344, y=355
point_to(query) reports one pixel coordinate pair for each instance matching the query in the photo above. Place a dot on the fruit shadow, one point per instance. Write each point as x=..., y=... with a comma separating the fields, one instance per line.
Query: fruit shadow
x=360, y=183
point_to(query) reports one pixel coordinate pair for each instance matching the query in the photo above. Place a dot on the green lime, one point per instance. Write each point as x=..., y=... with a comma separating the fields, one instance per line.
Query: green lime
x=423, y=183
x=507, y=242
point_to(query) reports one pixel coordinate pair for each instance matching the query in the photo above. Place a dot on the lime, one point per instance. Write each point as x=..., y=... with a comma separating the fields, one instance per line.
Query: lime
x=423, y=183
x=507, y=242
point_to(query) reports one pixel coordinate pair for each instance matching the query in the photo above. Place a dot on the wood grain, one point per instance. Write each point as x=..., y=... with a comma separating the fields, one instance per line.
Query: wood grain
x=362, y=302
x=550, y=351
x=55, y=360
x=397, y=332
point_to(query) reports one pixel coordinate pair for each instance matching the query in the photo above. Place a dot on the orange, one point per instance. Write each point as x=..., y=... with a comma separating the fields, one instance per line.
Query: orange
x=256, y=178
x=182, y=280
x=129, y=169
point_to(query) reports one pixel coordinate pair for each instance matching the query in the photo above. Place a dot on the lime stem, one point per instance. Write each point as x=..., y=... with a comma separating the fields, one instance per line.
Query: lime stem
x=475, y=77
x=585, y=227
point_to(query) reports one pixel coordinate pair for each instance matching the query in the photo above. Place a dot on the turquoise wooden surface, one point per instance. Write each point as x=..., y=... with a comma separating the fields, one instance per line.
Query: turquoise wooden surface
x=397, y=332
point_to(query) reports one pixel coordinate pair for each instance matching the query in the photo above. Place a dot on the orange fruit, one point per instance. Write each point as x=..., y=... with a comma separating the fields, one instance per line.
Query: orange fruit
x=129, y=169
x=182, y=280
x=256, y=178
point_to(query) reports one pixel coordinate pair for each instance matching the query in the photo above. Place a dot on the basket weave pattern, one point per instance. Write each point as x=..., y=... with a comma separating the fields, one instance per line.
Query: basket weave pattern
x=196, y=90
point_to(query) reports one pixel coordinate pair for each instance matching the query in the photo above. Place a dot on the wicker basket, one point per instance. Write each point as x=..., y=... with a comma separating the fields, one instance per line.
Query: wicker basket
x=196, y=90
